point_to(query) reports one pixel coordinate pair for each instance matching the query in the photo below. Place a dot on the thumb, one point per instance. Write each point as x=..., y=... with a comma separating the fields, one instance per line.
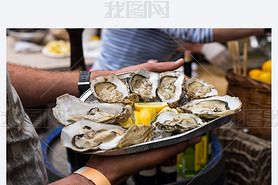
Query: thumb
x=167, y=66
x=179, y=62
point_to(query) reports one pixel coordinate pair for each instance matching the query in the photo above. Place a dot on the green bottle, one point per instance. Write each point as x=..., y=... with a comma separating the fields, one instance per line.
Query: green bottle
x=194, y=158
x=188, y=169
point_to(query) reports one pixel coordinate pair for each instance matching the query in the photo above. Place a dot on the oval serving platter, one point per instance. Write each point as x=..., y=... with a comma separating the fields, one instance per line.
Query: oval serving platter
x=166, y=141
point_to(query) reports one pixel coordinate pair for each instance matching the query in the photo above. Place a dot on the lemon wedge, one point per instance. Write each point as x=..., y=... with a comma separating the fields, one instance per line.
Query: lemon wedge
x=127, y=124
x=158, y=106
x=146, y=115
x=136, y=117
x=168, y=109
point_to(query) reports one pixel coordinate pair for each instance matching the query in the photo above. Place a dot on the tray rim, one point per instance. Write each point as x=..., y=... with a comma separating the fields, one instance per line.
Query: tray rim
x=218, y=122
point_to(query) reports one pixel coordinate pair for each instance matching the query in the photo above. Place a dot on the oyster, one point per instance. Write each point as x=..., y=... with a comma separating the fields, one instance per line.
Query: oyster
x=213, y=107
x=170, y=87
x=70, y=109
x=171, y=121
x=110, y=89
x=196, y=88
x=136, y=134
x=86, y=135
x=144, y=83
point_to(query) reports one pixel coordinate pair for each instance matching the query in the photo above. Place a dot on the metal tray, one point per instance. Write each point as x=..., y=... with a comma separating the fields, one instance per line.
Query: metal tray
x=215, y=123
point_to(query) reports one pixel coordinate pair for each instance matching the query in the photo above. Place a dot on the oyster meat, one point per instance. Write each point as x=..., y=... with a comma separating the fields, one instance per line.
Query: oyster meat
x=170, y=87
x=171, y=121
x=70, y=109
x=110, y=89
x=86, y=135
x=213, y=107
x=144, y=83
x=92, y=139
x=196, y=88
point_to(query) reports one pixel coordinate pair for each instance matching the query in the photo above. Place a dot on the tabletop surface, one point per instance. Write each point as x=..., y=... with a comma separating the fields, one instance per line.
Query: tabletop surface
x=38, y=60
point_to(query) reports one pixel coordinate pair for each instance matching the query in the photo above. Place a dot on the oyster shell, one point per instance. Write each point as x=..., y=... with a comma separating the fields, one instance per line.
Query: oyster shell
x=144, y=83
x=170, y=87
x=196, y=88
x=213, y=107
x=171, y=121
x=110, y=89
x=86, y=135
x=70, y=109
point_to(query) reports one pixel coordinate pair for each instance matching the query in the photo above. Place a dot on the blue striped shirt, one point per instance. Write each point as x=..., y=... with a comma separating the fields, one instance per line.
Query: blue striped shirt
x=125, y=47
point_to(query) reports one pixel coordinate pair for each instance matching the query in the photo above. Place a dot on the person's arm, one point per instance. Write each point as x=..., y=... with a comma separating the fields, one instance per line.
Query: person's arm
x=226, y=34
x=191, y=35
x=207, y=35
x=38, y=87
x=117, y=168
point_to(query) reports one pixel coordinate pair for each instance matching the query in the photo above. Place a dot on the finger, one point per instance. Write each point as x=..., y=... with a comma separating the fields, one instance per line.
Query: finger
x=132, y=163
x=166, y=66
x=195, y=140
x=151, y=158
x=175, y=149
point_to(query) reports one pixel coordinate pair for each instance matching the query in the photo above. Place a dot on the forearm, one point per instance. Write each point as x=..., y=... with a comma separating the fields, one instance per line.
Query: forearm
x=73, y=179
x=223, y=34
x=190, y=35
x=39, y=87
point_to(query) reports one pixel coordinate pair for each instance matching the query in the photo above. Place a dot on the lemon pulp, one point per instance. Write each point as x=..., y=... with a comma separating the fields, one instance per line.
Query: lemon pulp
x=146, y=115
x=158, y=106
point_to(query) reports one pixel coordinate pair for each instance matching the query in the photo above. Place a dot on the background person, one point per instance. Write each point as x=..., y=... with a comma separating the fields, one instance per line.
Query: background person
x=125, y=47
